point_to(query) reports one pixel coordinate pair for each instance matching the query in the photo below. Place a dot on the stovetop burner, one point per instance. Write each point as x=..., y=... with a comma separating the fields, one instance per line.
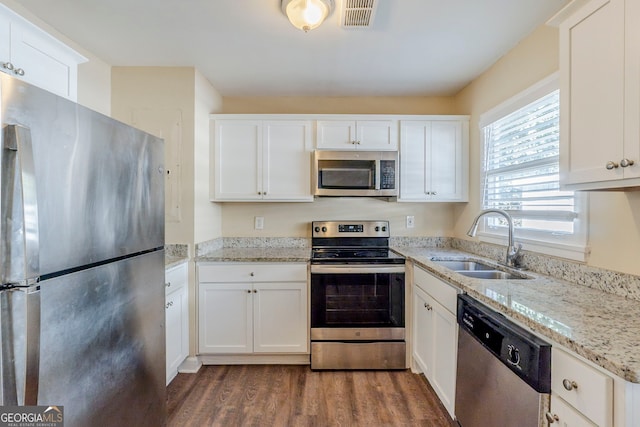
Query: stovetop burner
x=352, y=242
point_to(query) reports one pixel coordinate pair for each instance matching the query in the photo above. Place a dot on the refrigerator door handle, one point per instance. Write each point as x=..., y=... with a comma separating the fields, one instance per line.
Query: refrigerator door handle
x=20, y=268
x=19, y=205
x=20, y=372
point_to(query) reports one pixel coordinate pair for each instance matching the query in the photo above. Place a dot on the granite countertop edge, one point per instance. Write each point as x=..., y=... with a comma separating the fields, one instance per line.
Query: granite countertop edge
x=173, y=261
x=238, y=254
x=574, y=316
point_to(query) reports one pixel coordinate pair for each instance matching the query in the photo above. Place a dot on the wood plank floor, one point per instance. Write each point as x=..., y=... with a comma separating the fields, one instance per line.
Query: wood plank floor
x=282, y=395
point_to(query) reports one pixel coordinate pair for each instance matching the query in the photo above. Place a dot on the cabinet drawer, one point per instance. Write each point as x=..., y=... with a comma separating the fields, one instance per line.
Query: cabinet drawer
x=442, y=292
x=252, y=272
x=593, y=395
x=175, y=278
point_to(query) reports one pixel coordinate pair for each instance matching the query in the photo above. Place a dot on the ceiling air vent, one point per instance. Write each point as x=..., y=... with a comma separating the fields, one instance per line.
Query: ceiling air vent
x=358, y=13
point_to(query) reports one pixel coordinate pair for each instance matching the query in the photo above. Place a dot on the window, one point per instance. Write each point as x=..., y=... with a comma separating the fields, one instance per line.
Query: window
x=520, y=175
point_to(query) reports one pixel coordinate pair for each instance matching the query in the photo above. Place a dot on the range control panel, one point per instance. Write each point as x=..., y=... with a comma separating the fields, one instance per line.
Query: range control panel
x=329, y=229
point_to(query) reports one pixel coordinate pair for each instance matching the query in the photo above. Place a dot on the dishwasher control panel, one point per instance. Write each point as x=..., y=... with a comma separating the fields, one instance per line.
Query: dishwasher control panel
x=521, y=351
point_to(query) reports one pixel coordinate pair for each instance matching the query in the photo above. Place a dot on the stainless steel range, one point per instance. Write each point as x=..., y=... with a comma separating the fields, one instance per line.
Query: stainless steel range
x=357, y=297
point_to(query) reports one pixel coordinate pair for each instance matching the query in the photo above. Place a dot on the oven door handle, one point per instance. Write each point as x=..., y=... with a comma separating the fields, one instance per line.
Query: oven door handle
x=356, y=269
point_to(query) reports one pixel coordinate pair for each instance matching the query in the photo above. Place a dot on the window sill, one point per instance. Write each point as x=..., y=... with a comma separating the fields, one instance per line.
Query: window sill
x=561, y=250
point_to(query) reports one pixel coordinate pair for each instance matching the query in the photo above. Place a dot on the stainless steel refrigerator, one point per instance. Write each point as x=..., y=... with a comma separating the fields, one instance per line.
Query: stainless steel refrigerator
x=81, y=262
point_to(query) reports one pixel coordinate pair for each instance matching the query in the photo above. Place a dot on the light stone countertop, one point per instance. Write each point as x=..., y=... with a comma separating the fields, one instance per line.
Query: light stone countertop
x=172, y=261
x=603, y=328
x=239, y=254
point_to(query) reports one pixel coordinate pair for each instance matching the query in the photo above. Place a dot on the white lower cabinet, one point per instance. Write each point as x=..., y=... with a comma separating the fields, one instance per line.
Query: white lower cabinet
x=435, y=334
x=582, y=394
x=176, y=318
x=252, y=308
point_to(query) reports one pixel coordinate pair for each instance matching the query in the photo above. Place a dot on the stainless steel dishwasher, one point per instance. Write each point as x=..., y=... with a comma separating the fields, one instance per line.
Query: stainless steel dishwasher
x=504, y=371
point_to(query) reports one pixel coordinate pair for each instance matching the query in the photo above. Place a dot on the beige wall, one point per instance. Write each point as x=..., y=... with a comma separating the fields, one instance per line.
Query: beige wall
x=339, y=105
x=614, y=218
x=162, y=90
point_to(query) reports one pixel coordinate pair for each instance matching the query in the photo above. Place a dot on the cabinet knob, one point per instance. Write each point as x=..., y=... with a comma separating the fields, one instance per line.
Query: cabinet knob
x=248, y=291
x=251, y=274
x=255, y=291
x=168, y=284
x=169, y=304
x=569, y=385
x=611, y=165
x=626, y=163
x=427, y=306
x=552, y=418
x=7, y=65
x=19, y=71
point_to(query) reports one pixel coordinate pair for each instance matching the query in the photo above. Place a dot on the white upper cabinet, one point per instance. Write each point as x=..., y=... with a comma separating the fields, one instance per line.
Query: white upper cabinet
x=262, y=160
x=434, y=160
x=30, y=54
x=357, y=134
x=600, y=95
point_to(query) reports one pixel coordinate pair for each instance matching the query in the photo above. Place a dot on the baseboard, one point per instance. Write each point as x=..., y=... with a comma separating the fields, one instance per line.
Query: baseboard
x=254, y=359
x=191, y=365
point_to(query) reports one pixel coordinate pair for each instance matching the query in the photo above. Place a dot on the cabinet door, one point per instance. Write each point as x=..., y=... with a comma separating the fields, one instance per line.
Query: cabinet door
x=336, y=134
x=446, y=158
x=287, y=160
x=5, y=41
x=592, y=92
x=43, y=60
x=177, y=327
x=238, y=160
x=377, y=135
x=225, y=318
x=423, y=330
x=445, y=350
x=280, y=317
x=565, y=415
x=414, y=158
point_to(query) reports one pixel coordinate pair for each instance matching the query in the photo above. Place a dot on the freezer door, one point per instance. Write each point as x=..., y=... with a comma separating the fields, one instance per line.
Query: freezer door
x=99, y=184
x=103, y=344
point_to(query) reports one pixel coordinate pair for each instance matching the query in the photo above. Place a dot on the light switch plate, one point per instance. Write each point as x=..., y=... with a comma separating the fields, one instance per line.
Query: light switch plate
x=411, y=221
x=259, y=223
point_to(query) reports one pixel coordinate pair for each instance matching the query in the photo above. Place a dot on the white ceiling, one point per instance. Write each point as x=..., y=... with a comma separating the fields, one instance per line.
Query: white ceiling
x=249, y=48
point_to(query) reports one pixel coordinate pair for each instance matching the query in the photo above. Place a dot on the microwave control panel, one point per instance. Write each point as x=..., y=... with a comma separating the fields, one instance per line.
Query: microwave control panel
x=387, y=174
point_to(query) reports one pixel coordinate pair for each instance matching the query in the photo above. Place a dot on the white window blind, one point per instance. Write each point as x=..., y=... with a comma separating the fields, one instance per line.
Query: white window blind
x=521, y=169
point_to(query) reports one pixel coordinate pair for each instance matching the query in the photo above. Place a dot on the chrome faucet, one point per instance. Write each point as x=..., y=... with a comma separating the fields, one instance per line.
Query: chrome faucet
x=513, y=250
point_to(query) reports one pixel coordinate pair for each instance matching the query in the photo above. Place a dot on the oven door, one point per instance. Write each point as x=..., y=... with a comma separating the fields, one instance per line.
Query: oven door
x=357, y=302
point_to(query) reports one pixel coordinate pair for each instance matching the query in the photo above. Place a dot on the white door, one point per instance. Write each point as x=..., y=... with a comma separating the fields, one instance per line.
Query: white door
x=423, y=330
x=414, y=141
x=238, y=160
x=336, y=134
x=177, y=340
x=566, y=416
x=445, y=160
x=377, y=135
x=592, y=95
x=280, y=317
x=287, y=160
x=225, y=318
x=445, y=350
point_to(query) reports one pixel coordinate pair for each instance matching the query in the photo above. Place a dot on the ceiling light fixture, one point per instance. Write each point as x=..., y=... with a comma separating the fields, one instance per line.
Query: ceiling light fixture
x=307, y=14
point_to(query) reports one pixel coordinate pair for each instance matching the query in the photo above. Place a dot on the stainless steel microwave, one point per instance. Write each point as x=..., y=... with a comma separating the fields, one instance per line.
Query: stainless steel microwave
x=355, y=173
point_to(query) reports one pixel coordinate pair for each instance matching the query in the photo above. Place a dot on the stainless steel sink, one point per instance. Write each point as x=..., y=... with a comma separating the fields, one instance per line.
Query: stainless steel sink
x=492, y=274
x=459, y=265
x=478, y=269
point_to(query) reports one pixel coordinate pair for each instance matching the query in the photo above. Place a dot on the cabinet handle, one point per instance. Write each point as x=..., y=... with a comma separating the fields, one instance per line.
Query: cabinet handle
x=169, y=304
x=611, y=165
x=552, y=418
x=168, y=284
x=626, y=163
x=427, y=306
x=7, y=65
x=19, y=71
x=569, y=385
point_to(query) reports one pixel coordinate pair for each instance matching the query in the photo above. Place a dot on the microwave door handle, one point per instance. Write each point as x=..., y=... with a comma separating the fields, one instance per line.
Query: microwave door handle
x=377, y=175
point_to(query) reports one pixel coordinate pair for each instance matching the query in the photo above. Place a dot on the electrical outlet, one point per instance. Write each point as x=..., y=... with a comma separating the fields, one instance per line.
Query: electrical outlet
x=411, y=221
x=259, y=223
